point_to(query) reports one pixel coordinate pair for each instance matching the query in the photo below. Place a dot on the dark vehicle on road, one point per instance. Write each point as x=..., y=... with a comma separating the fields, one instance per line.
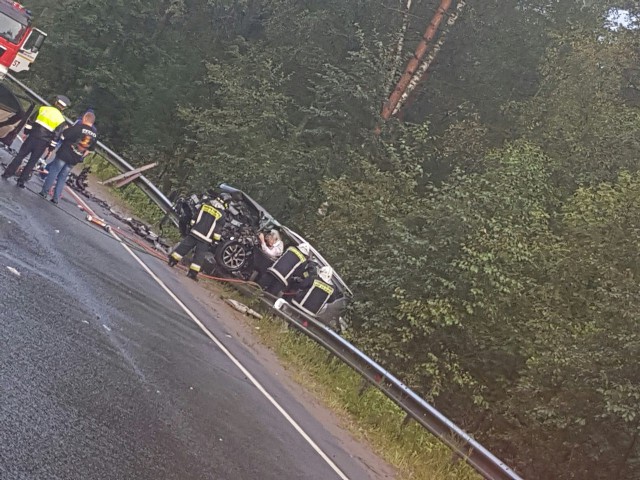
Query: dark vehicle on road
x=238, y=254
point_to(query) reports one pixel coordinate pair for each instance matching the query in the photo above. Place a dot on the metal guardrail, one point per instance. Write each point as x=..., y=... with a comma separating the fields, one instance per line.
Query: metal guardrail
x=116, y=160
x=478, y=457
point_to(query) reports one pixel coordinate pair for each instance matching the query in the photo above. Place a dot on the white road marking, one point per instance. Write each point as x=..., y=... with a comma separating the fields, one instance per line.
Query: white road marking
x=237, y=363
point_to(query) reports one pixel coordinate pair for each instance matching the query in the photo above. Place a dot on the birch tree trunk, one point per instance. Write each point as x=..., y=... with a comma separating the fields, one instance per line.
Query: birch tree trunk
x=414, y=63
x=397, y=58
x=420, y=74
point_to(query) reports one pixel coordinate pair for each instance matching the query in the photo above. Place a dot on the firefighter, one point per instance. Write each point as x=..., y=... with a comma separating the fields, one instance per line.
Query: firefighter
x=292, y=263
x=206, y=228
x=315, y=291
x=43, y=134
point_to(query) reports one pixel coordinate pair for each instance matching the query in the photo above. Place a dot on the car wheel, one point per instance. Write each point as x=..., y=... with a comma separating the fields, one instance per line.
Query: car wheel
x=232, y=256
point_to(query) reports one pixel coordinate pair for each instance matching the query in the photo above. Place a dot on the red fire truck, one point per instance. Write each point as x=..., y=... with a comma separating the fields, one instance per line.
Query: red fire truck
x=19, y=41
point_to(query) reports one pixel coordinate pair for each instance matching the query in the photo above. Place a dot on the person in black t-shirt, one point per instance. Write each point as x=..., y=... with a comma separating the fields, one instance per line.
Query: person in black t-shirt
x=77, y=142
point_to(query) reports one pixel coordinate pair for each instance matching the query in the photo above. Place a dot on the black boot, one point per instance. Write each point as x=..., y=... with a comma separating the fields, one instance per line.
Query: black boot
x=172, y=262
x=193, y=275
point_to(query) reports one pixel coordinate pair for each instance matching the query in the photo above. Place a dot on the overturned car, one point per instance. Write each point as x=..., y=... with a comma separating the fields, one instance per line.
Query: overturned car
x=238, y=253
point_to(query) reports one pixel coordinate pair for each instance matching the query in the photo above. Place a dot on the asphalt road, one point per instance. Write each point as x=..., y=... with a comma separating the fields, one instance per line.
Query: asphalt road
x=103, y=376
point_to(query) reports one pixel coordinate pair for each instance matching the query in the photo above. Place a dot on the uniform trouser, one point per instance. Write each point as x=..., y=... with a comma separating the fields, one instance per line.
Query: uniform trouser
x=271, y=284
x=187, y=244
x=31, y=146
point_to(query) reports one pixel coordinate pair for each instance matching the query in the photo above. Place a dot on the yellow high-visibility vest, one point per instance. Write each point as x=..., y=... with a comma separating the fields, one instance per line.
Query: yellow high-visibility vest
x=50, y=118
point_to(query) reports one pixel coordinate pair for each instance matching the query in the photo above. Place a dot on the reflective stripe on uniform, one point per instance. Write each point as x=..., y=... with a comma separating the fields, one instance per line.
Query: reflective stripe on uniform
x=320, y=285
x=299, y=305
x=176, y=256
x=216, y=214
x=323, y=286
x=212, y=211
x=297, y=253
x=284, y=278
x=194, y=267
x=202, y=237
x=49, y=118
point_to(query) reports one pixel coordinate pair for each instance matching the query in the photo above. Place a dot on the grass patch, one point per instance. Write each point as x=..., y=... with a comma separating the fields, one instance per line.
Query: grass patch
x=415, y=453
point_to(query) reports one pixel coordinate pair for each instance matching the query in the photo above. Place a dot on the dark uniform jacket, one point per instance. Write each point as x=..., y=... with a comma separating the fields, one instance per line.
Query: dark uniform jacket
x=292, y=263
x=208, y=224
x=314, y=294
x=76, y=142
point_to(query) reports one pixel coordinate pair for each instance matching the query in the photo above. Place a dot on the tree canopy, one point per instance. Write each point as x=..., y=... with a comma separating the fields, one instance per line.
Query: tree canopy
x=489, y=228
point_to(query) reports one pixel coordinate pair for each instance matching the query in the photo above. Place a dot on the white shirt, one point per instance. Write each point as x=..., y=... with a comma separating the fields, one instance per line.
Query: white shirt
x=274, y=252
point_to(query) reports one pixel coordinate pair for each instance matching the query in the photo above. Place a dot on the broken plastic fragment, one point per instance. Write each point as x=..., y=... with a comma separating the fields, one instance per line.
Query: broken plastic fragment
x=241, y=307
x=14, y=271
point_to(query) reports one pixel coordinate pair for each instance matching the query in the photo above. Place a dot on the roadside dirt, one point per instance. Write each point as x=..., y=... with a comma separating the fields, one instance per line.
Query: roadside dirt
x=239, y=326
x=105, y=193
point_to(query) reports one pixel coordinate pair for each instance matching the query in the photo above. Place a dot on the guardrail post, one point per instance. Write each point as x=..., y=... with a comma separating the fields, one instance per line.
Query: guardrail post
x=406, y=421
x=364, y=386
x=329, y=358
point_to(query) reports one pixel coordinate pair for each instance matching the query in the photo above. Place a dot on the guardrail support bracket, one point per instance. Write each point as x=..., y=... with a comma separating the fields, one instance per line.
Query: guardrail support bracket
x=364, y=386
x=405, y=421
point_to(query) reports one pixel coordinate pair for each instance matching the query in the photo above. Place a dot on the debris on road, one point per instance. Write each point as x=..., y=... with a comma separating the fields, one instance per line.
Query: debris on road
x=14, y=271
x=139, y=228
x=242, y=308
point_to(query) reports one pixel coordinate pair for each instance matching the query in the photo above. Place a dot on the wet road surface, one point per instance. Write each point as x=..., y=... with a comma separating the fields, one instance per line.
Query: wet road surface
x=103, y=376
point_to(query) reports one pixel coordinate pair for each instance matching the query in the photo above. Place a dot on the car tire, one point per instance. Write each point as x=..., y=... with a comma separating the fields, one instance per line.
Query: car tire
x=232, y=256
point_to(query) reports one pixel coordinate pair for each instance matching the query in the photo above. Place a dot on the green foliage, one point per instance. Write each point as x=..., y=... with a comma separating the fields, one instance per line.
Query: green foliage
x=590, y=127
x=491, y=242
x=584, y=333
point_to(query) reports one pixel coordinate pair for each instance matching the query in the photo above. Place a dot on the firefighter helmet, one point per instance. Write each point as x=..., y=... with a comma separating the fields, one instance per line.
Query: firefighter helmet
x=325, y=273
x=305, y=248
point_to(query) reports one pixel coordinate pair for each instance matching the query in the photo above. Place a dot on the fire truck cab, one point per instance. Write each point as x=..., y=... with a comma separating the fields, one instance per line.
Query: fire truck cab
x=19, y=41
